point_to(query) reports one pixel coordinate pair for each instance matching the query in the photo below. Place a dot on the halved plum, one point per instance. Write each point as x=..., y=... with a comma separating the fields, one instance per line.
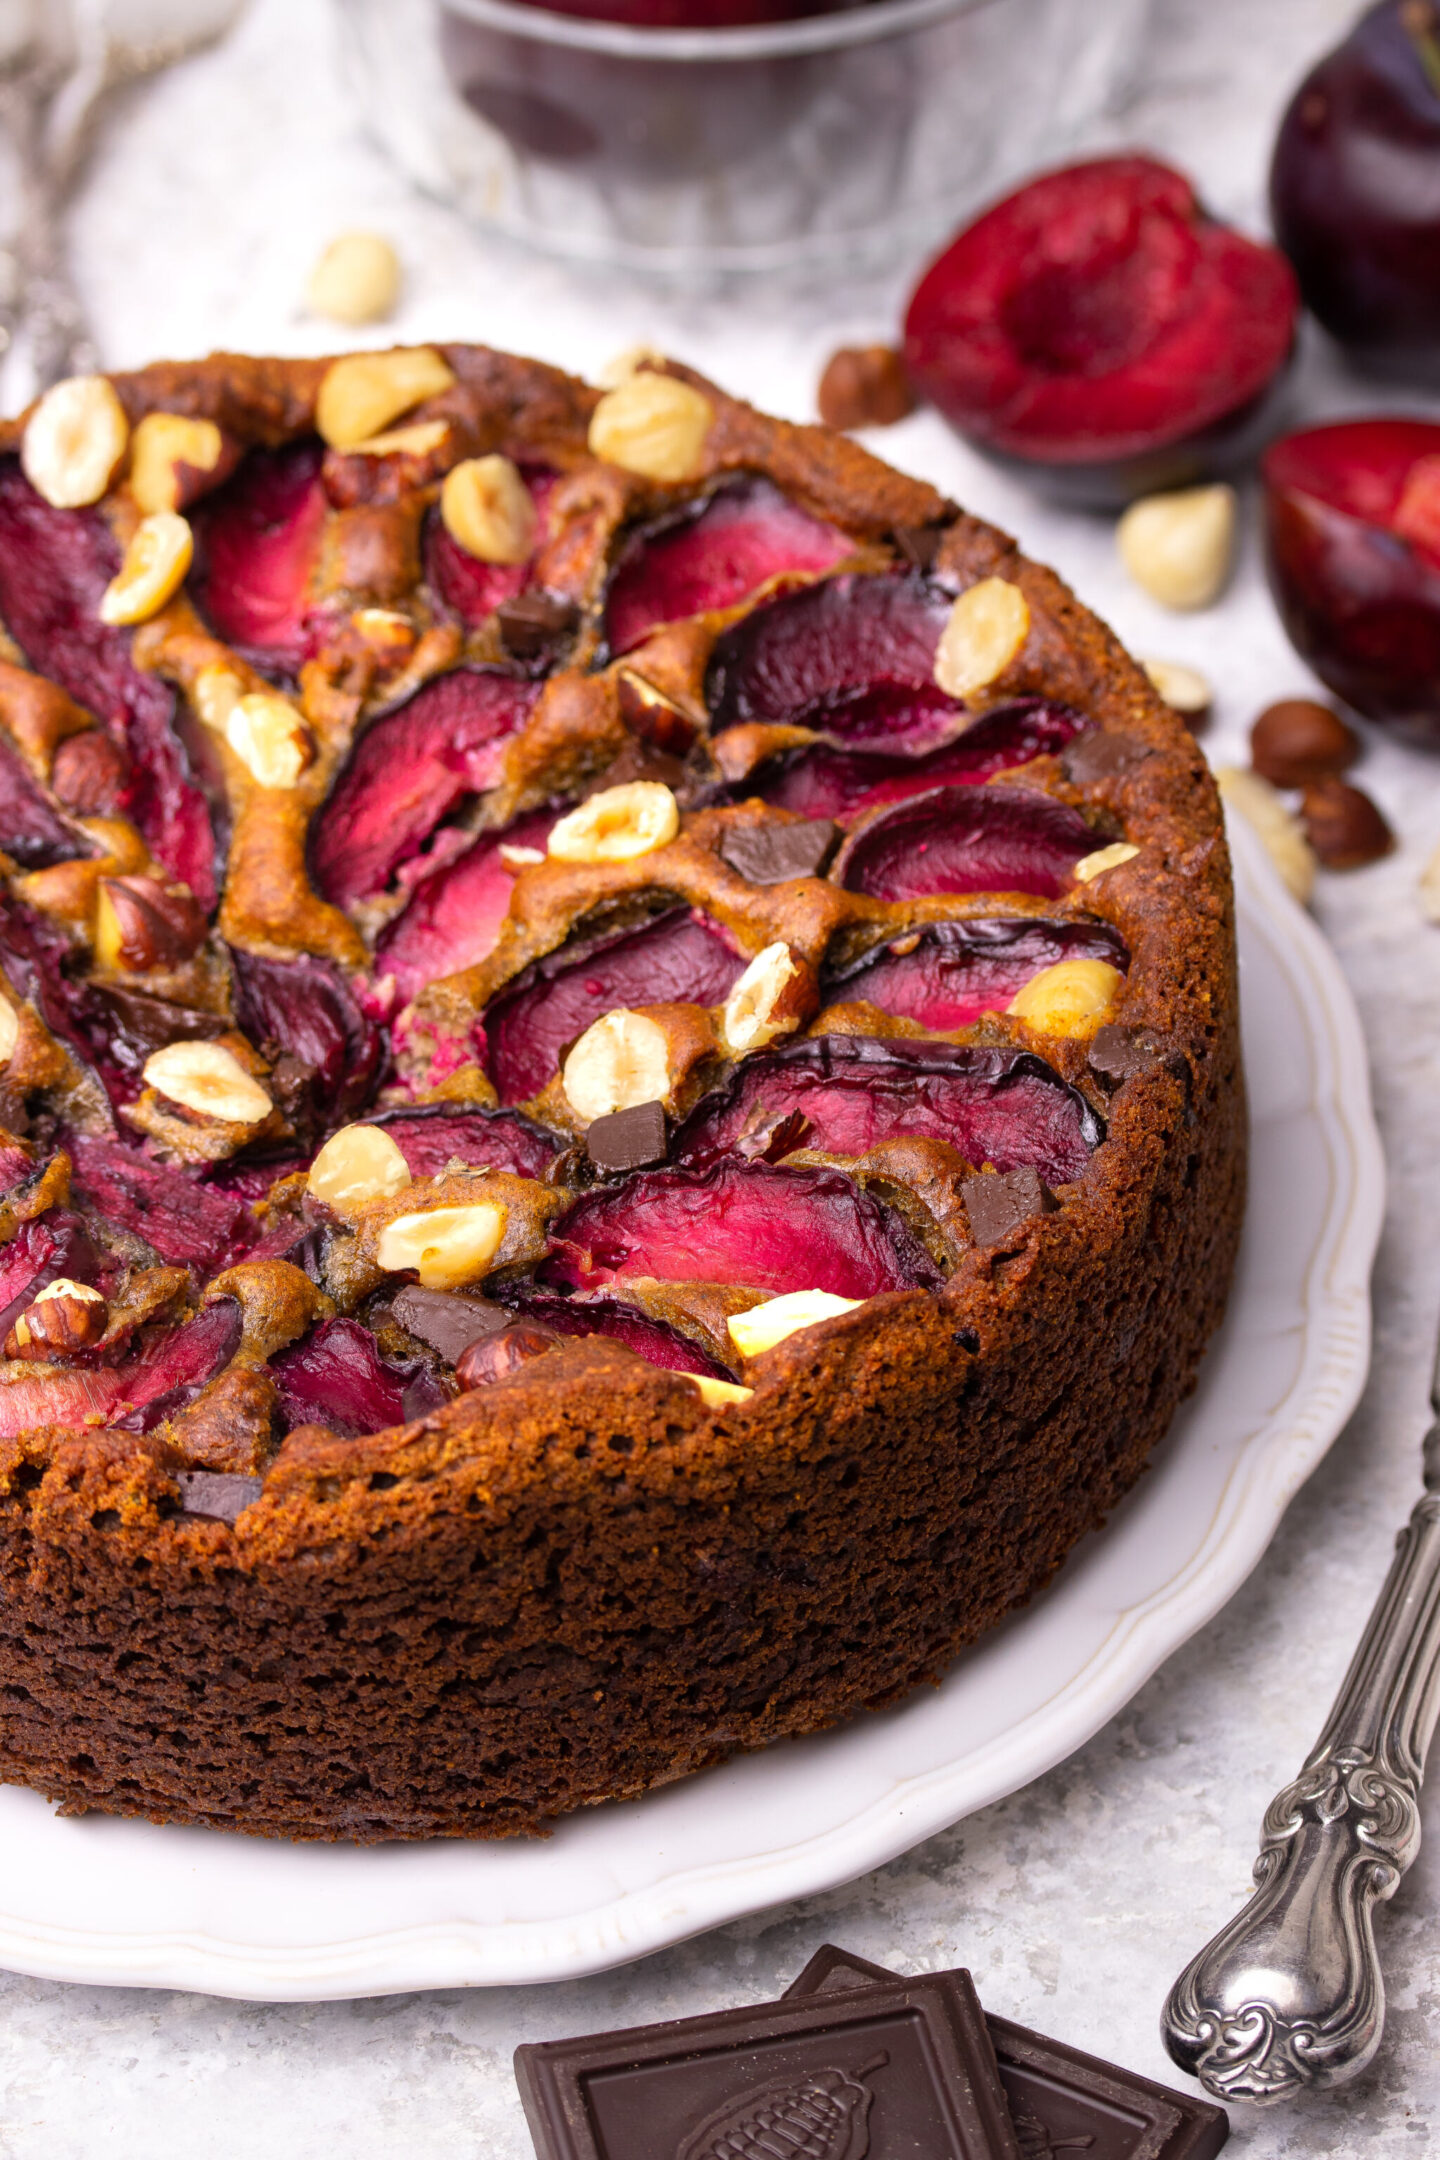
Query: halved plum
x=680, y=957
x=258, y=544
x=1098, y=328
x=711, y=554
x=944, y=975
x=598, y=1315
x=429, y=1135
x=825, y=780
x=305, y=1008
x=739, y=1222
x=454, y=915
x=995, y=1104
x=168, y=1371
x=54, y=567
x=337, y=1377
x=409, y=772
x=1352, y=546
x=189, y=1224
x=965, y=839
x=853, y=656
x=473, y=589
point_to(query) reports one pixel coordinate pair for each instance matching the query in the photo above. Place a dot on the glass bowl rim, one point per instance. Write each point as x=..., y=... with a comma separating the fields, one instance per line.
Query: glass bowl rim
x=862, y=24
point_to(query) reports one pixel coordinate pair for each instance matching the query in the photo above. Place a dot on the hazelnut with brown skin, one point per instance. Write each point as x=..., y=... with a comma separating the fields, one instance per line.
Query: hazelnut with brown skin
x=64, y=1319
x=1299, y=740
x=496, y=1357
x=1345, y=828
x=864, y=386
x=144, y=924
x=90, y=772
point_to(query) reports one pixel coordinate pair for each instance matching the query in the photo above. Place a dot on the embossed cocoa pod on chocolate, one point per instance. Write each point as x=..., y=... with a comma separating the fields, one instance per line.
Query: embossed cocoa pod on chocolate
x=824, y=2115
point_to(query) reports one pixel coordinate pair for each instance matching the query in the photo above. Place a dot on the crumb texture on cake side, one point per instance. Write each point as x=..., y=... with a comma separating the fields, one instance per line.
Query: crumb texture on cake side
x=621, y=1112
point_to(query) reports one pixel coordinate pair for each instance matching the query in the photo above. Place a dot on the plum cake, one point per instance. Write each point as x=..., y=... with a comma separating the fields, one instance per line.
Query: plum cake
x=620, y=1104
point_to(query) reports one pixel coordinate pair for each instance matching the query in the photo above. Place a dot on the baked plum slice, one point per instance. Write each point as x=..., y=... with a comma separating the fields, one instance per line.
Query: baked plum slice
x=473, y=589
x=167, y=1371
x=944, y=975
x=453, y=916
x=33, y=833
x=739, y=1222
x=337, y=1377
x=1099, y=329
x=305, y=1009
x=678, y=958
x=1352, y=548
x=828, y=780
x=257, y=543
x=853, y=656
x=964, y=839
x=711, y=554
x=431, y=1134
x=54, y=567
x=409, y=772
x=994, y=1103
x=189, y=1224
x=599, y=1315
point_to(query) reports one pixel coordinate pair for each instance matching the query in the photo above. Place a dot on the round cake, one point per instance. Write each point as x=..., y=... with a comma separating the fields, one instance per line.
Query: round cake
x=621, y=1100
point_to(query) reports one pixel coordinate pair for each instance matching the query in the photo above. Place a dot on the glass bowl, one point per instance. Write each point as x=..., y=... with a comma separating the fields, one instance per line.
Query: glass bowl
x=819, y=141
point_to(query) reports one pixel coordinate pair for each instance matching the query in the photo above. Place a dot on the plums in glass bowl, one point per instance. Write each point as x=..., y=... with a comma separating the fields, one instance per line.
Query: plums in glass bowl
x=1099, y=333
x=1352, y=543
x=1355, y=189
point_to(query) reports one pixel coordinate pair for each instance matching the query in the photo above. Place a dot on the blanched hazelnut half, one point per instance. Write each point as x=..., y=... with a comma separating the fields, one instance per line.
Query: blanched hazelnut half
x=161, y=444
x=356, y=1164
x=621, y=1060
x=153, y=569
x=755, y=1011
x=74, y=441
x=215, y=693
x=1095, y=865
x=1178, y=547
x=446, y=1246
x=1184, y=689
x=356, y=280
x=765, y=1325
x=210, y=1080
x=617, y=824
x=9, y=1030
x=654, y=425
x=717, y=1394
x=270, y=739
x=1282, y=834
x=363, y=392
x=985, y=630
x=1070, y=998
x=487, y=510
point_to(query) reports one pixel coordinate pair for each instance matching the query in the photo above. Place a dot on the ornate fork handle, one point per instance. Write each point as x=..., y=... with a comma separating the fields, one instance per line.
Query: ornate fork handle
x=1289, y=1996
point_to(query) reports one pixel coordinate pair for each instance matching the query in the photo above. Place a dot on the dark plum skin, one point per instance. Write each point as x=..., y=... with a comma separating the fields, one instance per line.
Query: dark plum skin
x=167, y=1371
x=595, y=1315
x=1098, y=332
x=944, y=975
x=1354, y=196
x=964, y=839
x=853, y=656
x=428, y=1135
x=337, y=1377
x=1352, y=547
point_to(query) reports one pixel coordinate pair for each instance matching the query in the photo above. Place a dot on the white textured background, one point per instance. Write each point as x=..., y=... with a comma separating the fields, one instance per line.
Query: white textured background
x=1075, y=1901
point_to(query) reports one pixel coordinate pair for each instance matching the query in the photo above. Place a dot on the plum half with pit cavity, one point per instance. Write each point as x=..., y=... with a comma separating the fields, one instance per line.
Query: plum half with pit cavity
x=944, y=975
x=964, y=839
x=1352, y=544
x=1099, y=331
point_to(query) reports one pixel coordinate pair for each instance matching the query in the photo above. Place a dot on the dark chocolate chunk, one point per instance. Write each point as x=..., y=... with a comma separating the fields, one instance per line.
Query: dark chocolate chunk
x=445, y=1320
x=896, y=2072
x=628, y=1139
x=534, y=621
x=998, y=1203
x=215, y=1495
x=638, y=761
x=1118, y=1053
x=1062, y=2102
x=1098, y=755
x=769, y=854
x=919, y=544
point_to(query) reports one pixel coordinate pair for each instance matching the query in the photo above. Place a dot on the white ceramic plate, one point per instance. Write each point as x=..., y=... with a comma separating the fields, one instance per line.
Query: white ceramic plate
x=124, y=1902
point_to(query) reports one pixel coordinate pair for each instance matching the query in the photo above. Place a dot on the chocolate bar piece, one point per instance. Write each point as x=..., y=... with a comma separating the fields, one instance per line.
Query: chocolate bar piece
x=1001, y=1201
x=534, y=621
x=1100, y=754
x=627, y=1139
x=769, y=854
x=216, y=1495
x=446, y=1320
x=899, y=2071
x=1063, y=2102
x=1118, y=1053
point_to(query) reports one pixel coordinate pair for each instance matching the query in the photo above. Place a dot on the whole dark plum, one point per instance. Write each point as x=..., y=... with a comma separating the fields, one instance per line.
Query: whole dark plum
x=1355, y=189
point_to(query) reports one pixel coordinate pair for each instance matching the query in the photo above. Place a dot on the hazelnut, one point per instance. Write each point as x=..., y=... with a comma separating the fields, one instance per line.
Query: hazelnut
x=487, y=510
x=209, y=1080
x=617, y=824
x=416, y=441
x=864, y=386
x=519, y=858
x=1070, y=998
x=718, y=1394
x=356, y=1164
x=621, y=1059
x=215, y=693
x=754, y=1013
x=152, y=571
x=140, y=923
x=63, y=1318
x=1429, y=892
x=446, y=1246
x=1283, y=835
x=1343, y=825
x=356, y=280
x=1299, y=740
x=1103, y=859
x=74, y=440
x=1184, y=689
x=89, y=772
x=649, y=714
x=270, y=739
x=654, y=425
x=496, y=1357
x=627, y=362
x=765, y=1325
x=987, y=627
x=1178, y=547
x=161, y=444
x=363, y=392
x=9, y=1030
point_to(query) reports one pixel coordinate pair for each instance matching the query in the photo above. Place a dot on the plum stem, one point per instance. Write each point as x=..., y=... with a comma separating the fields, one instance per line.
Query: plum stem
x=1418, y=20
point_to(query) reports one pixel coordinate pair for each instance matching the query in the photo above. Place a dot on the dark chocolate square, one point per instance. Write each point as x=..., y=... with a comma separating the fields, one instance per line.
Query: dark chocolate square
x=534, y=621
x=769, y=854
x=903, y=2071
x=1063, y=2102
x=218, y=1496
x=1099, y=754
x=1002, y=1201
x=446, y=1320
x=628, y=1139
